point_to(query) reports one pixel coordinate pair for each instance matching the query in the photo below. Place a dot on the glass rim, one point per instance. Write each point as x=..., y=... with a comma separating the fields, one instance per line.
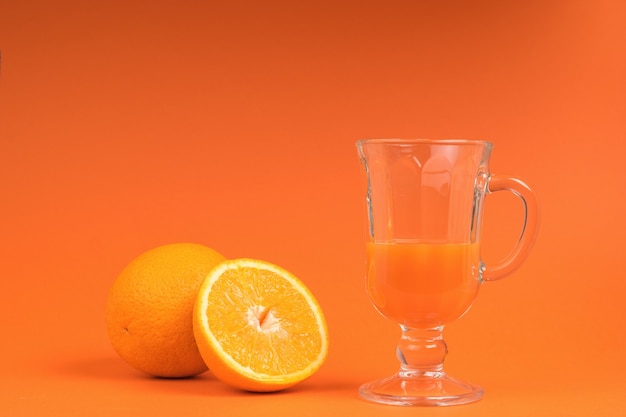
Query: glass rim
x=424, y=141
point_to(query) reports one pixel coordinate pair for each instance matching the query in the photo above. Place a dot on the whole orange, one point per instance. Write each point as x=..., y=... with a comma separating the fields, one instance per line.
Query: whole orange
x=149, y=309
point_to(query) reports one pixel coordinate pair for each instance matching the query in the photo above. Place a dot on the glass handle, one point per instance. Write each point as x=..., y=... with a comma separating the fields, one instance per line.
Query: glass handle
x=530, y=227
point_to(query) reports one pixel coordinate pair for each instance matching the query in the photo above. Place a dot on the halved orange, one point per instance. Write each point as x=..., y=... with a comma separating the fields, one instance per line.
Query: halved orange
x=258, y=327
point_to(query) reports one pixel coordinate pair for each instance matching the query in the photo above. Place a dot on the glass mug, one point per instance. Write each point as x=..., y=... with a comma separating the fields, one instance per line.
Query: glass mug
x=424, y=201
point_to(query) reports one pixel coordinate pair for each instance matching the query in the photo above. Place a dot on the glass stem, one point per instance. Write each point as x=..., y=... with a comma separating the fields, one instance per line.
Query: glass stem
x=421, y=351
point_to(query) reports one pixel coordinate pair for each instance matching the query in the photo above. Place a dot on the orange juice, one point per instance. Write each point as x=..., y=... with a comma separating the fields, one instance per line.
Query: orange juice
x=422, y=285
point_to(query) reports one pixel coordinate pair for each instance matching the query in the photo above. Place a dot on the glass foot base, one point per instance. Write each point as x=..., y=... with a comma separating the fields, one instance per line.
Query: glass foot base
x=432, y=388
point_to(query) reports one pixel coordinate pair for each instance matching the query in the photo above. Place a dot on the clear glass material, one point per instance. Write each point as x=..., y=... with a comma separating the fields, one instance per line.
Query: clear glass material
x=424, y=204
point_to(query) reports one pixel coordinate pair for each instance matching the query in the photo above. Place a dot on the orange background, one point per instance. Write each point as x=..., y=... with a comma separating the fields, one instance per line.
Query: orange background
x=125, y=125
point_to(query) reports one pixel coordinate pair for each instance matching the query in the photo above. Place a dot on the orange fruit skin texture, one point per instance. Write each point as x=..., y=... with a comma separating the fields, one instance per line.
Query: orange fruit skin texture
x=149, y=309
